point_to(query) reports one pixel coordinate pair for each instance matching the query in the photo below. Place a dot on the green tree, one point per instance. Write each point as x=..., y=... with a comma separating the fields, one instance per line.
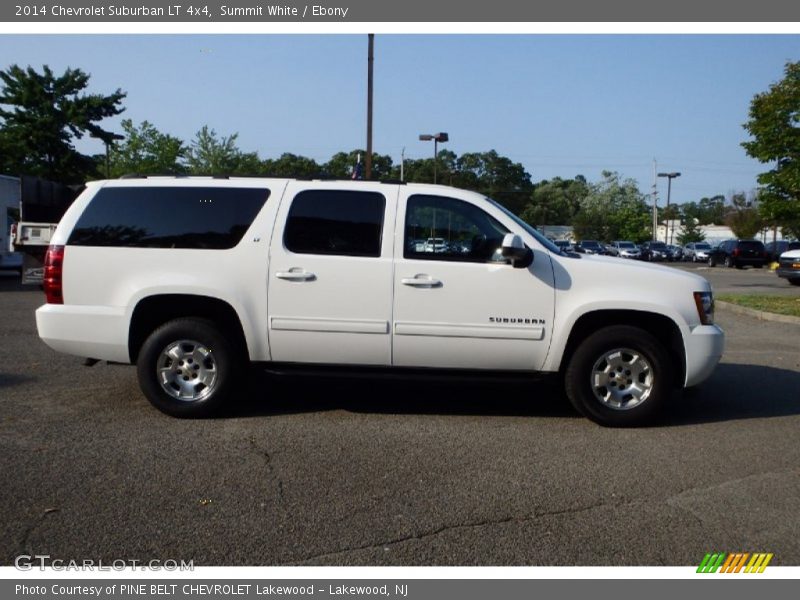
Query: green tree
x=147, y=151
x=555, y=202
x=495, y=176
x=342, y=164
x=41, y=115
x=690, y=232
x=744, y=217
x=774, y=126
x=614, y=208
x=292, y=165
x=210, y=154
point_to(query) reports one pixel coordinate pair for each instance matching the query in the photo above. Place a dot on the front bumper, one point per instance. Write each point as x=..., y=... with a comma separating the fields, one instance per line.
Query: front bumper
x=704, y=347
x=788, y=273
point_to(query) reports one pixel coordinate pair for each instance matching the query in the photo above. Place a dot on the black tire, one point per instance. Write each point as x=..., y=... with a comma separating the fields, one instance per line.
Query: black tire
x=712, y=262
x=794, y=281
x=578, y=376
x=729, y=262
x=224, y=367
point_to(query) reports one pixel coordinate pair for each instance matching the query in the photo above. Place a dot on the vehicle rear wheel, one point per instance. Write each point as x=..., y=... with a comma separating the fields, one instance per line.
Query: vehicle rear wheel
x=620, y=376
x=187, y=368
x=794, y=281
x=729, y=262
x=712, y=261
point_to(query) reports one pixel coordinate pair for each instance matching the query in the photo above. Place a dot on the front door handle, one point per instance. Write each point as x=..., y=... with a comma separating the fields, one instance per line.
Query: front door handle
x=295, y=275
x=421, y=281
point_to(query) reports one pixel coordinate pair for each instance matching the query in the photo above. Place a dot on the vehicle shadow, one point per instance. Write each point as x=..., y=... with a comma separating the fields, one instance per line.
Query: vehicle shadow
x=733, y=392
x=268, y=394
x=13, y=379
x=10, y=282
x=737, y=391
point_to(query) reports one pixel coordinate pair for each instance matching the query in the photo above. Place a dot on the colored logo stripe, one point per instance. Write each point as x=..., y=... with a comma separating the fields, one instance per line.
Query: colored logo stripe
x=734, y=562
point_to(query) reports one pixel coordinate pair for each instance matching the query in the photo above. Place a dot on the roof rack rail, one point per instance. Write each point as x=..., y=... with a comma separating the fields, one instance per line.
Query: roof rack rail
x=133, y=176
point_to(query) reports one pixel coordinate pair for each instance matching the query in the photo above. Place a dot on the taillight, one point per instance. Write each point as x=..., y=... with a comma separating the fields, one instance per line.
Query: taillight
x=53, y=269
x=735, y=252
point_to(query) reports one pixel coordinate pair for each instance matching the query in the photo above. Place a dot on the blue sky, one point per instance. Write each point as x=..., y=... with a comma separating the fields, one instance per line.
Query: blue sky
x=560, y=104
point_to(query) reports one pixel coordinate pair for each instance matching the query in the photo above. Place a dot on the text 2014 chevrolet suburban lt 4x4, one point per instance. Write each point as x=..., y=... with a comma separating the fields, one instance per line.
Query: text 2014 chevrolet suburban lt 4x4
x=193, y=279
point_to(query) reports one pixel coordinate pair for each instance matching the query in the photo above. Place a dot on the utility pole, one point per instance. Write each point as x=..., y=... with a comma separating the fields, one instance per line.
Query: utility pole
x=370, y=60
x=402, y=163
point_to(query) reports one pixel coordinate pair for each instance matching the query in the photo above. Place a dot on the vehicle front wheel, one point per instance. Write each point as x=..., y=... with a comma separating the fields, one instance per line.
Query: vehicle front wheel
x=619, y=376
x=794, y=281
x=187, y=368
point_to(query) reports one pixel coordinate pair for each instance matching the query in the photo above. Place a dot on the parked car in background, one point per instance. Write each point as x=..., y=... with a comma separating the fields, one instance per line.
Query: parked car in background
x=589, y=247
x=696, y=251
x=564, y=245
x=437, y=245
x=624, y=249
x=739, y=254
x=789, y=266
x=654, y=251
x=775, y=249
x=674, y=252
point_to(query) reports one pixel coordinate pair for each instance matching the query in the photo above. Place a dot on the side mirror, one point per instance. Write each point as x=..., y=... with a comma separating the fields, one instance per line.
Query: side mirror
x=516, y=251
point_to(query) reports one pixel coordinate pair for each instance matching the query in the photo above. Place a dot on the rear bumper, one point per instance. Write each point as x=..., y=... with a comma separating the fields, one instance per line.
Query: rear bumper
x=88, y=331
x=704, y=347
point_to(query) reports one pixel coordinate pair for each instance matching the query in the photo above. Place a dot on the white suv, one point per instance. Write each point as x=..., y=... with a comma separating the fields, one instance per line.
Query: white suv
x=192, y=279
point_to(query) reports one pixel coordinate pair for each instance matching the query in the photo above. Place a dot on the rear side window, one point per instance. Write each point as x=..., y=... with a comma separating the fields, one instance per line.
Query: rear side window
x=339, y=222
x=212, y=218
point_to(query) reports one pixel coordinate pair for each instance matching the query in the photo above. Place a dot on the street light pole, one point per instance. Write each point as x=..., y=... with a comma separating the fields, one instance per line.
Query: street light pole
x=436, y=137
x=670, y=177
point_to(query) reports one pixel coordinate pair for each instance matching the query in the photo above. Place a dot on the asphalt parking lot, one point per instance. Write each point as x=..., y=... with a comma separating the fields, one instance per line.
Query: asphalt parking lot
x=362, y=472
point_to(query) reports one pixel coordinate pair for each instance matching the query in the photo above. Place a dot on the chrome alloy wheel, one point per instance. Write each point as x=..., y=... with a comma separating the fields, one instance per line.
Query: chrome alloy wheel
x=622, y=379
x=187, y=370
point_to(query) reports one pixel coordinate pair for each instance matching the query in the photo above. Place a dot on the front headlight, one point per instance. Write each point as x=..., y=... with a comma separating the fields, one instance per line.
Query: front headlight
x=705, y=307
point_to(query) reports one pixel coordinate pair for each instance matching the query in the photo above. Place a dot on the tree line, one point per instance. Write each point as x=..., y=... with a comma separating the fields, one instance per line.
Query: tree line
x=43, y=114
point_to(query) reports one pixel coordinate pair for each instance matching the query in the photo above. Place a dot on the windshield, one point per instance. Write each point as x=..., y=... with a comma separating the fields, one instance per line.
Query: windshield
x=626, y=245
x=532, y=230
x=658, y=245
x=703, y=246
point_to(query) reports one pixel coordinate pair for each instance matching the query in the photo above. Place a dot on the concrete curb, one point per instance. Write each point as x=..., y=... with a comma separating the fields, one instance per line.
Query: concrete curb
x=758, y=314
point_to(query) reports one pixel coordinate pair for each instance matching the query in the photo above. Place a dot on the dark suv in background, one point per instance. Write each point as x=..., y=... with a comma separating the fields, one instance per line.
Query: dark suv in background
x=775, y=249
x=739, y=254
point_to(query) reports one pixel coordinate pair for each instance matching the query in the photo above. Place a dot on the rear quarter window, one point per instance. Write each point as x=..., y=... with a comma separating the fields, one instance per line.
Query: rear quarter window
x=751, y=245
x=210, y=218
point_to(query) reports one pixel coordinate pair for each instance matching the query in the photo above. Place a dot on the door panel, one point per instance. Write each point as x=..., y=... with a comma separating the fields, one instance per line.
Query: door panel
x=330, y=274
x=476, y=310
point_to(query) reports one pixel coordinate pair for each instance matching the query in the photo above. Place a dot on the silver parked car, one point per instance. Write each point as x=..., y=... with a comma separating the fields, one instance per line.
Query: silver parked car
x=625, y=249
x=696, y=251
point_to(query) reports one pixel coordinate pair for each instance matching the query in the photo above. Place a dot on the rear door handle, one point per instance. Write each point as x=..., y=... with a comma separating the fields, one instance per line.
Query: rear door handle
x=421, y=281
x=293, y=275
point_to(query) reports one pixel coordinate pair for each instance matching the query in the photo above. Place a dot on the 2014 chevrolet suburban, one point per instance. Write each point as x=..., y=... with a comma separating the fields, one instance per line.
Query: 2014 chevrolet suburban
x=194, y=279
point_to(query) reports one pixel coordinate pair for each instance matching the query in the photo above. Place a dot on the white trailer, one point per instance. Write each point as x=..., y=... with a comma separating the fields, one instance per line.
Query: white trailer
x=9, y=215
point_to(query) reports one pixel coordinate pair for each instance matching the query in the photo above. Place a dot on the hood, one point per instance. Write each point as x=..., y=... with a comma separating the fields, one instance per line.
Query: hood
x=641, y=273
x=791, y=254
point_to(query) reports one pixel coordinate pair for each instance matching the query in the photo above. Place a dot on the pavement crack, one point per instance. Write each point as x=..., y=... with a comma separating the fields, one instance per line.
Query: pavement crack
x=268, y=463
x=446, y=528
x=33, y=526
